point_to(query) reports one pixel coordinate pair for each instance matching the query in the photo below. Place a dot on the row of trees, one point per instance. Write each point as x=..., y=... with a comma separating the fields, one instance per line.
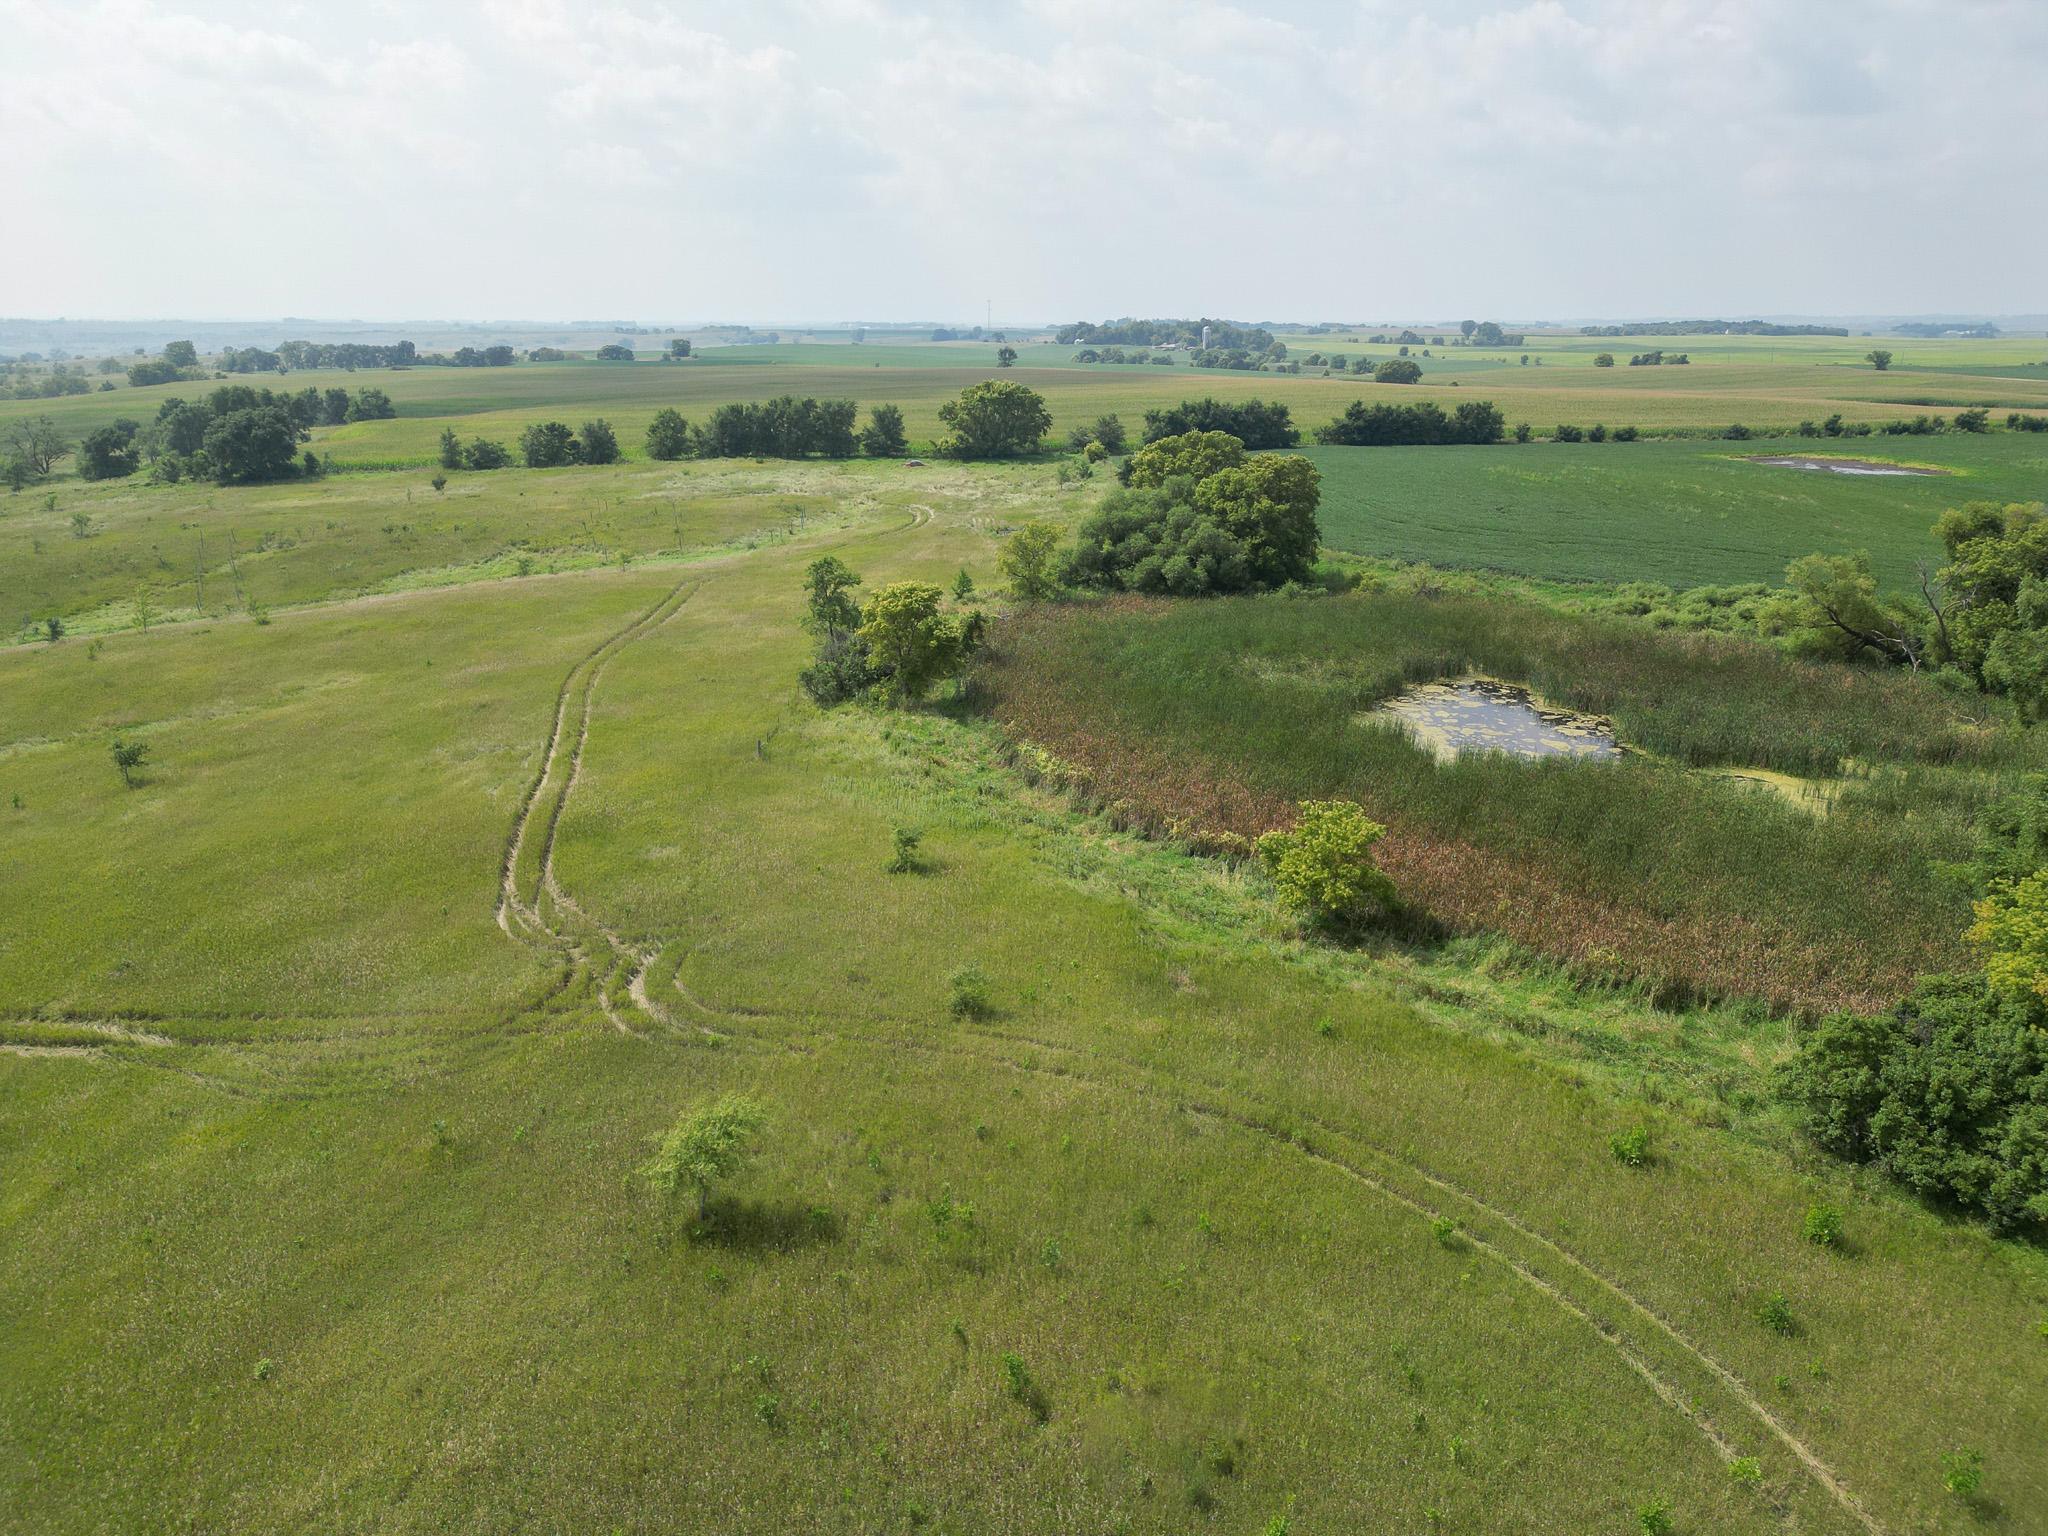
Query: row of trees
x=236, y=435
x=1421, y=424
x=1254, y=423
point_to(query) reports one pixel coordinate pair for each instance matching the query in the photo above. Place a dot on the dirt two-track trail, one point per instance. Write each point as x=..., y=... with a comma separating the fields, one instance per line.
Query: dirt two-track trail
x=539, y=910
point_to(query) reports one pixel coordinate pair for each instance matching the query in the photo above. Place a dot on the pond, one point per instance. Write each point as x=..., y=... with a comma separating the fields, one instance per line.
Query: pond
x=1841, y=466
x=1478, y=714
x=1483, y=714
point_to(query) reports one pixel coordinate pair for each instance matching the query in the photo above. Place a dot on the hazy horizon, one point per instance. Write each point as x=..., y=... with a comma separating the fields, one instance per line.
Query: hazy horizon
x=1555, y=158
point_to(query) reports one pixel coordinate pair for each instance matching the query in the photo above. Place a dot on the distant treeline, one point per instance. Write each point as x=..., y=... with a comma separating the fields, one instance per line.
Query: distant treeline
x=354, y=355
x=1224, y=335
x=1983, y=331
x=1711, y=328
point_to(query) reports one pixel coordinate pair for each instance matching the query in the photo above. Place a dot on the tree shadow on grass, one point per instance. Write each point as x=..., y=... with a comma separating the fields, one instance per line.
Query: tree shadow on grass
x=765, y=1226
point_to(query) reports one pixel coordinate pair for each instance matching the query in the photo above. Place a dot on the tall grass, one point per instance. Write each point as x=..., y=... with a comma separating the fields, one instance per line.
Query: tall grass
x=1221, y=715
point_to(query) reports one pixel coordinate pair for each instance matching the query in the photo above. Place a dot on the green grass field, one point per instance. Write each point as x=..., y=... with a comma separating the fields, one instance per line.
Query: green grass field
x=330, y=1048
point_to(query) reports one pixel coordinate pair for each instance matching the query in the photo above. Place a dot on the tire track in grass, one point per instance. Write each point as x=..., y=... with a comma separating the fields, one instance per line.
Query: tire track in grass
x=530, y=917
x=1264, y=1123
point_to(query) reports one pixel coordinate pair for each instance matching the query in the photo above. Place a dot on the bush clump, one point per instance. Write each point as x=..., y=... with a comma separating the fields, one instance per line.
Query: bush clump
x=1324, y=868
x=1631, y=1147
x=971, y=995
x=1198, y=517
x=1949, y=1094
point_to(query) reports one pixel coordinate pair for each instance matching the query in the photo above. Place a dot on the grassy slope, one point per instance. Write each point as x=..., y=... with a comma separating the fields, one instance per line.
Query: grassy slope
x=482, y=1326
x=1682, y=513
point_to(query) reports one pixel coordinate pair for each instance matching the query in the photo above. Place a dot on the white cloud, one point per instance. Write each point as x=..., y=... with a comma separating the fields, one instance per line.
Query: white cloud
x=828, y=158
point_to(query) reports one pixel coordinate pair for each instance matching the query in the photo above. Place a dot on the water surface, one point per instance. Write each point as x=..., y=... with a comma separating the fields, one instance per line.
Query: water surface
x=1841, y=466
x=1478, y=714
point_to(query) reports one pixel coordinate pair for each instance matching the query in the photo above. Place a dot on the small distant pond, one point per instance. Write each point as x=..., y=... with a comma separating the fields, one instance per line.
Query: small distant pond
x=1840, y=466
x=1477, y=714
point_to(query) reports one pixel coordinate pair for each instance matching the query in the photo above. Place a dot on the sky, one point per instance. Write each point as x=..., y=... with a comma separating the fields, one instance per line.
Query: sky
x=824, y=160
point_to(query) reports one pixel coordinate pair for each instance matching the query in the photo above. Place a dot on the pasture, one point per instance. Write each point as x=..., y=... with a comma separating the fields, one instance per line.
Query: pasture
x=483, y=831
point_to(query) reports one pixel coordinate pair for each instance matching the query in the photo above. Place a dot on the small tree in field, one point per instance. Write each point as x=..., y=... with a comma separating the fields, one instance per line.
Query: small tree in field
x=1324, y=868
x=1878, y=358
x=1005, y=356
x=914, y=645
x=128, y=757
x=704, y=1146
x=1030, y=560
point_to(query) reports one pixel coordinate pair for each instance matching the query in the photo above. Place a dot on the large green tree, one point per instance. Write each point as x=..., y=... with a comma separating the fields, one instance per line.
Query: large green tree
x=248, y=446
x=996, y=419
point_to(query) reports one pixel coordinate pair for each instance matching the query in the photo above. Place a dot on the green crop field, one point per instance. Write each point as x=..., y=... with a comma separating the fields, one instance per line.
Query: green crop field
x=1681, y=513
x=485, y=830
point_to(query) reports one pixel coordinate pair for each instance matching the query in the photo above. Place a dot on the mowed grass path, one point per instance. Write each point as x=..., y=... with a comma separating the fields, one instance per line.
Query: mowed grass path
x=332, y=1282
x=1681, y=513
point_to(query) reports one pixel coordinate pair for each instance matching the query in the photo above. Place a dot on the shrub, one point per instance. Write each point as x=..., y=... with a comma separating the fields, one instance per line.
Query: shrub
x=1962, y=1472
x=1822, y=1226
x=1737, y=433
x=1950, y=1094
x=1028, y=560
x=1624, y=434
x=1654, y=1518
x=904, y=861
x=485, y=454
x=703, y=1146
x=1021, y=1388
x=971, y=995
x=439, y=482
x=128, y=757
x=841, y=670
x=1324, y=868
x=1397, y=370
x=1775, y=1313
x=1631, y=1147
x=1746, y=1469
x=1444, y=1230
x=1523, y=432
x=1567, y=434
